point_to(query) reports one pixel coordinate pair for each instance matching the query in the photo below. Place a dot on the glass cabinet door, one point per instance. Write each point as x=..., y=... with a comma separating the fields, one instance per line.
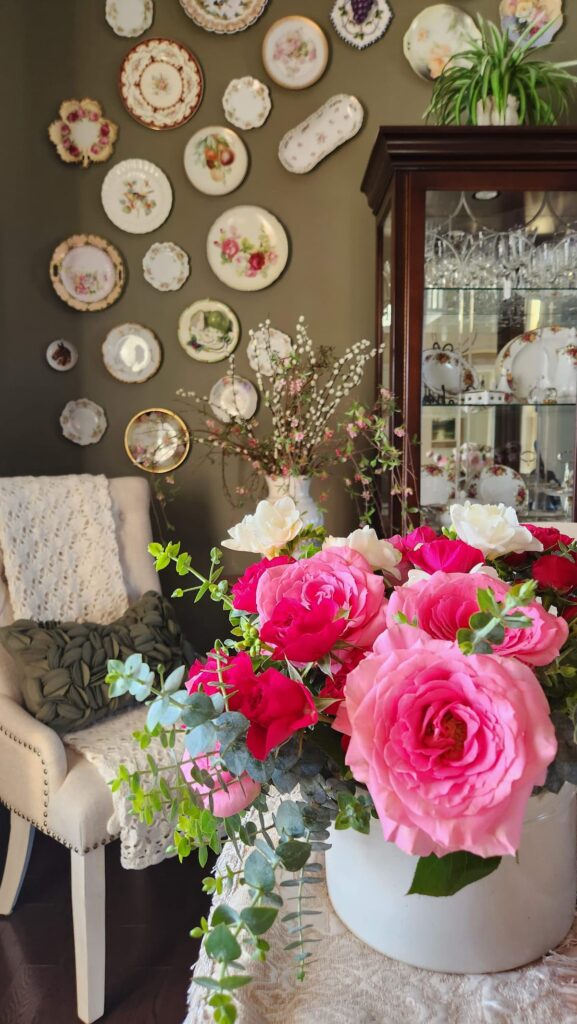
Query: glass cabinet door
x=499, y=352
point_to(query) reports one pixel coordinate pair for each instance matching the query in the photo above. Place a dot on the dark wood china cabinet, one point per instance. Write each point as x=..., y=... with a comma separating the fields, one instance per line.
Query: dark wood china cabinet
x=477, y=313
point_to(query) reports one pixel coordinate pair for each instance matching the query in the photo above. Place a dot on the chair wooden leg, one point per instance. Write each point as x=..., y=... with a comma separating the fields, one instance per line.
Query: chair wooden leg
x=19, y=850
x=88, y=912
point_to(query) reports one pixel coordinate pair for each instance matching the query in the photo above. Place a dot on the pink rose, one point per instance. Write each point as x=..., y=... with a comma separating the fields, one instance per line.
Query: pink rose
x=308, y=607
x=449, y=746
x=240, y=791
x=230, y=247
x=256, y=261
x=407, y=543
x=244, y=590
x=447, y=555
x=444, y=603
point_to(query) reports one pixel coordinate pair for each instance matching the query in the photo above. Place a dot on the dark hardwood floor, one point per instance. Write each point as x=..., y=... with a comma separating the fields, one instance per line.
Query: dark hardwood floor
x=148, y=917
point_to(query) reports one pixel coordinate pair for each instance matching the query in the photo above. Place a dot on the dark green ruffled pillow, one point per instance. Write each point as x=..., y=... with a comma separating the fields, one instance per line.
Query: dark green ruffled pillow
x=65, y=663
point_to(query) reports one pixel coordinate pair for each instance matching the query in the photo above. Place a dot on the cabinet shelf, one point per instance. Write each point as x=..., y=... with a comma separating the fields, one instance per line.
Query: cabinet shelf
x=506, y=405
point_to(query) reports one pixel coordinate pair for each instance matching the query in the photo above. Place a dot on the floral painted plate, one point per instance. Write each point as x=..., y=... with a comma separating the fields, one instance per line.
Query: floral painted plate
x=246, y=102
x=81, y=134
x=136, y=196
x=233, y=398
x=447, y=372
x=362, y=27
x=83, y=422
x=157, y=440
x=247, y=248
x=208, y=331
x=161, y=83
x=529, y=363
x=435, y=35
x=333, y=124
x=501, y=484
x=166, y=266
x=265, y=345
x=61, y=355
x=87, y=272
x=129, y=18
x=295, y=52
x=215, y=160
x=436, y=488
x=131, y=353
x=224, y=16
x=517, y=15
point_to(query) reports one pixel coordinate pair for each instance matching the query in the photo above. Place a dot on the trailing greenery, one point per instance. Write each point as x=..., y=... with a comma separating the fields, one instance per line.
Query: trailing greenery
x=494, y=69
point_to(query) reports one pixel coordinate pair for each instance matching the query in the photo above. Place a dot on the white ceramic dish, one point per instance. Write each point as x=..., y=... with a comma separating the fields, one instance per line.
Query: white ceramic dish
x=161, y=83
x=208, y=330
x=445, y=370
x=136, y=196
x=333, y=124
x=501, y=484
x=83, y=421
x=295, y=52
x=436, y=488
x=565, y=379
x=215, y=160
x=369, y=30
x=81, y=134
x=157, y=440
x=247, y=248
x=435, y=35
x=233, y=398
x=166, y=266
x=530, y=364
x=264, y=345
x=131, y=353
x=246, y=102
x=61, y=355
x=87, y=272
x=516, y=15
x=129, y=18
x=224, y=16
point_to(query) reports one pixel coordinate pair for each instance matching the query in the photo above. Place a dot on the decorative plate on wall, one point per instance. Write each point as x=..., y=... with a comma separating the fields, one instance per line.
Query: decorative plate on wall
x=246, y=102
x=233, y=398
x=247, y=248
x=361, y=22
x=161, y=83
x=265, y=345
x=166, y=266
x=208, y=330
x=87, y=272
x=215, y=160
x=436, y=34
x=131, y=353
x=157, y=440
x=83, y=421
x=82, y=135
x=224, y=16
x=61, y=355
x=136, y=196
x=129, y=18
x=295, y=52
x=337, y=121
x=517, y=15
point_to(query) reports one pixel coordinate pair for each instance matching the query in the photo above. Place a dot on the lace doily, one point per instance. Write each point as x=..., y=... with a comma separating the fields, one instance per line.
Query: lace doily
x=59, y=547
x=107, y=745
x=347, y=982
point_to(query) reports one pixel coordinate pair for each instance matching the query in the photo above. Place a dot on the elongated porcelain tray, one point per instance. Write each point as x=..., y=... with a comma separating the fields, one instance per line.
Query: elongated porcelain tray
x=333, y=124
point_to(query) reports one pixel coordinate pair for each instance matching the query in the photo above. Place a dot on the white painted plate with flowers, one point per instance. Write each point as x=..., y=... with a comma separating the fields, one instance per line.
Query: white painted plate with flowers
x=295, y=52
x=136, y=196
x=437, y=33
x=233, y=398
x=501, y=484
x=166, y=266
x=215, y=160
x=267, y=347
x=247, y=248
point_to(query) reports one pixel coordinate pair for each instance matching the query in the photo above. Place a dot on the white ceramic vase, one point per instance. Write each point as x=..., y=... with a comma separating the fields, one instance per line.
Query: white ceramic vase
x=298, y=488
x=511, y=917
x=487, y=113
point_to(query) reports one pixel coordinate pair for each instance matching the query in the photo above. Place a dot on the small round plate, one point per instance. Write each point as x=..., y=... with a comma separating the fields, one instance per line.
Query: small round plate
x=435, y=35
x=246, y=102
x=501, y=484
x=136, y=196
x=364, y=30
x=131, y=353
x=233, y=398
x=83, y=421
x=224, y=16
x=445, y=370
x=129, y=18
x=436, y=488
x=295, y=52
x=166, y=266
x=87, y=272
x=208, y=331
x=265, y=345
x=161, y=83
x=61, y=355
x=216, y=160
x=157, y=440
x=247, y=248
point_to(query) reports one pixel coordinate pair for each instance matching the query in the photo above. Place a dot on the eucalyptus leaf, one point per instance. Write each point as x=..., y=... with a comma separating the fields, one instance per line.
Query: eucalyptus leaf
x=294, y=854
x=221, y=944
x=201, y=740
x=258, y=919
x=444, y=876
x=258, y=873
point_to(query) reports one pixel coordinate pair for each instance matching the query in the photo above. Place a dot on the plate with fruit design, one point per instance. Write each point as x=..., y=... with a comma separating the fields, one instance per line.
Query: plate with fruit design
x=215, y=160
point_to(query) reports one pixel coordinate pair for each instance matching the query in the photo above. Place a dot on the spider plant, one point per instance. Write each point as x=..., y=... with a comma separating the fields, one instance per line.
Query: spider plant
x=496, y=75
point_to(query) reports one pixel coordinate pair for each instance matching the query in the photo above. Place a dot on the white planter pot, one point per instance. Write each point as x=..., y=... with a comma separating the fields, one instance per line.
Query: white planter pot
x=515, y=915
x=487, y=114
x=298, y=488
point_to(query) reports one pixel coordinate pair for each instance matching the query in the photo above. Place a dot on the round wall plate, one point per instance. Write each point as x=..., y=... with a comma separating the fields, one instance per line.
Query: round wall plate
x=129, y=18
x=136, y=196
x=87, y=272
x=295, y=52
x=161, y=83
x=224, y=16
x=208, y=330
x=61, y=355
x=83, y=422
x=247, y=248
x=166, y=266
x=131, y=353
x=246, y=102
x=233, y=398
x=157, y=440
x=216, y=160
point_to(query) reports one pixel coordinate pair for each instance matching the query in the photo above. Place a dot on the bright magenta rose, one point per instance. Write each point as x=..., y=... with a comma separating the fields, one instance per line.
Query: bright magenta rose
x=275, y=705
x=305, y=609
x=445, y=555
x=240, y=791
x=407, y=543
x=557, y=572
x=244, y=590
x=449, y=746
x=444, y=603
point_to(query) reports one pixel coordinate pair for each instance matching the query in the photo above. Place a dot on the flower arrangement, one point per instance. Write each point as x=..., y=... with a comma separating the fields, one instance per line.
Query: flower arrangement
x=427, y=681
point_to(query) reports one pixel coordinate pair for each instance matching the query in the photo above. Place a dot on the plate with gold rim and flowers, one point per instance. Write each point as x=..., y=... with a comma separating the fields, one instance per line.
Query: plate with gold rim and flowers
x=157, y=440
x=87, y=272
x=295, y=52
x=83, y=421
x=224, y=17
x=166, y=266
x=447, y=372
x=246, y=102
x=136, y=196
x=247, y=248
x=233, y=398
x=129, y=18
x=131, y=353
x=81, y=134
x=161, y=83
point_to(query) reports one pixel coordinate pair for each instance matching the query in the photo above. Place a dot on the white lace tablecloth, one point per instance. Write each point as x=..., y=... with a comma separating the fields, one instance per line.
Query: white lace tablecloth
x=349, y=983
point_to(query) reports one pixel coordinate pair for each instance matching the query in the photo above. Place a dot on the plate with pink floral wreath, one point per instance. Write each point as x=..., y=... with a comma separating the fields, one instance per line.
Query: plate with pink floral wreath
x=161, y=83
x=87, y=272
x=215, y=160
x=247, y=248
x=224, y=16
x=295, y=52
x=501, y=484
x=136, y=196
x=82, y=135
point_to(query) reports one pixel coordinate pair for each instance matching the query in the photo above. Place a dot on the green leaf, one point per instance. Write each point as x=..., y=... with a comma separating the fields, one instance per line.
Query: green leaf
x=258, y=919
x=288, y=819
x=230, y=726
x=258, y=873
x=444, y=876
x=155, y=549
x=224, y=915
x=294, y=854
x=486, y=601
x=221, y=944
x=201, y=740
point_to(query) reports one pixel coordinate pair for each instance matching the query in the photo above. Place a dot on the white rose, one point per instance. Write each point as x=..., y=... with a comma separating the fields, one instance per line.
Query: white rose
x=270, y=528
x=378, y=553
x=494, y=529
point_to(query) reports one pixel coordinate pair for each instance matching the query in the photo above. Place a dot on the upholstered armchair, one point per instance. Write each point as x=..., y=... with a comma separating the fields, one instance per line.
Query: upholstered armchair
x=48, y=786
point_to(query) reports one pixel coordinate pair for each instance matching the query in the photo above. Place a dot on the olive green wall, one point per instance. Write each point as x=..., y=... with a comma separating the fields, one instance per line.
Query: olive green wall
x=60, y=49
